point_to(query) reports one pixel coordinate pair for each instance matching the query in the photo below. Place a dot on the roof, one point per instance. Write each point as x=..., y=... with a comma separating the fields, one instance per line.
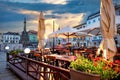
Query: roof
x=11, y=33
x=32, y=32
x=79, y=25
x=93, y=15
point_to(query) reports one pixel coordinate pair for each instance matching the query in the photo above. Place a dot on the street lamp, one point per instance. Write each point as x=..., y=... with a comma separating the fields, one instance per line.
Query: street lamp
x=53, y=31
x=27, y=51
x=7, y=56
x=7, y=48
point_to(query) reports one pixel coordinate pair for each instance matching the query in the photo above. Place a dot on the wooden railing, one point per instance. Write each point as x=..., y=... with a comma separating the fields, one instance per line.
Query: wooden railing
x=35, y=70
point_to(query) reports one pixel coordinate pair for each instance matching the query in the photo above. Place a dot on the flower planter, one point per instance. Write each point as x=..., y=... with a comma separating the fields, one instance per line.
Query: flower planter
x=79, y=75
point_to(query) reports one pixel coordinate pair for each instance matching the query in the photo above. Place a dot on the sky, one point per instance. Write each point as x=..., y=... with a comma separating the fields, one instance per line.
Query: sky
x=66, y=12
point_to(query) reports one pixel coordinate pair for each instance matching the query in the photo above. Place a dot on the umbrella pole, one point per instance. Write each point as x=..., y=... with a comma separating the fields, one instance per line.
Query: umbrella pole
x=68, y=37
x=53, y=37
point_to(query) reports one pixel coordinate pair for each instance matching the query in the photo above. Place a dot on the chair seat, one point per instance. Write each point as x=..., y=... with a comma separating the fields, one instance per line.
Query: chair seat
x=37, y=54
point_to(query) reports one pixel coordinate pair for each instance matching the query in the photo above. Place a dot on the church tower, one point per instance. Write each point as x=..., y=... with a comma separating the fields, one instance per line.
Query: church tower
x=24, y=37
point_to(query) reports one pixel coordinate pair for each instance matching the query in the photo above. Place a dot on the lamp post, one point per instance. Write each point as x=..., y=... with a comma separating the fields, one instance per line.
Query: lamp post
x=7, y=56
x=27, y=51
x=53, y=37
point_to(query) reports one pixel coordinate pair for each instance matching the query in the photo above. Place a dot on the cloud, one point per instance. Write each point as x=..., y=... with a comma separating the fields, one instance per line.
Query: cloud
x=29, y=12
x=11, y=26
x=66, y=13
x=69, y=19
x=39, y=1
x=54, y=2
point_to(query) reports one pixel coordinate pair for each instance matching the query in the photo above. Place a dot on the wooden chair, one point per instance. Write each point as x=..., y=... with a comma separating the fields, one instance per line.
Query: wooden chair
x=31, y=54
x=50, y=60
x=63, y=64
x=38, y=56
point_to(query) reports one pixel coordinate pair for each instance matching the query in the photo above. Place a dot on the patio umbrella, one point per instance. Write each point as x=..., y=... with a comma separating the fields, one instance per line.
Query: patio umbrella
x=67, y=32
x=93, y=29
x=41, y=31
x=108, y=29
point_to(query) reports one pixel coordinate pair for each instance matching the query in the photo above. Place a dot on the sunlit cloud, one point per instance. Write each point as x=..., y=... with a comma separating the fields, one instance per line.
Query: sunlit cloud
x=54, y=2
x=61, y=20
x=33, y=25
x=69, y=19
x=29, y=12
x=39, y=1
x=66, y=19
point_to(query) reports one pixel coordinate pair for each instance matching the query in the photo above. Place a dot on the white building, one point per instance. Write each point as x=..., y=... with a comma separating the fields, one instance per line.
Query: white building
x=93, y=20
x=11, y=47
x=10, y=37
x=82, y=25
x=0, y=40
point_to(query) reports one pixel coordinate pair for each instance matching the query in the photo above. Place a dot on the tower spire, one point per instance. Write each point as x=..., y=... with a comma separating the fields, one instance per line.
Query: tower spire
x=25, y=24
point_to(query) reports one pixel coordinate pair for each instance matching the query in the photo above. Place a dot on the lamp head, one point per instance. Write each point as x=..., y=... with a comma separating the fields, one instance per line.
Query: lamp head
x=7, y=47
x=27, y=51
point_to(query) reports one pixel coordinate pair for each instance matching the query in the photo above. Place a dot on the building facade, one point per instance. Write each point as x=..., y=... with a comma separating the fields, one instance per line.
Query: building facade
x=0, y=40
x=33, y=38
x=93, y=20
x=10, y=37
x=83, y=25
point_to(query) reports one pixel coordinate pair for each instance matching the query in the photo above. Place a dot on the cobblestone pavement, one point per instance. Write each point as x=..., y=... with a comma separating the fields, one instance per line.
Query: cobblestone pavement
x=5, y=73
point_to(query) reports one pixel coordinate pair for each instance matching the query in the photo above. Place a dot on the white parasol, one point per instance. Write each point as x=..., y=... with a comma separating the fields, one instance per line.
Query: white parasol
x=41, y=31
x=108, y=29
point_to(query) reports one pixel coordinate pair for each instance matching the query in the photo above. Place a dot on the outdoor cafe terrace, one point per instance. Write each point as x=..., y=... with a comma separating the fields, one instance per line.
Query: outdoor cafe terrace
x=80, y=64
x=46, y=65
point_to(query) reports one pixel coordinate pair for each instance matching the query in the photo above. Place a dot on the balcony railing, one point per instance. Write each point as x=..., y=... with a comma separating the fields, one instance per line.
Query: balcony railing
x=29, y=69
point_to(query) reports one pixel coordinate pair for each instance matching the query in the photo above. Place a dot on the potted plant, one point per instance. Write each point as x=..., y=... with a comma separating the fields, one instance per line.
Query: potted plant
x=96, y=69
x=14, y=52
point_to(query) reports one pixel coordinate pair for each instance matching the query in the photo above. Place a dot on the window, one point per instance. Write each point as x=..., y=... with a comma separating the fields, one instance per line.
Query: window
x=98, y=19
x=88, y=22
x=119, y=13
x=16, y=37
x=93, y=20
x=95, y=38
x=83, y=26
x=74, y=39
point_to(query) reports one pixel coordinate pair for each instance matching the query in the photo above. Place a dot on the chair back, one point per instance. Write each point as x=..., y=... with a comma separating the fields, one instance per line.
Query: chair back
x=51, y=60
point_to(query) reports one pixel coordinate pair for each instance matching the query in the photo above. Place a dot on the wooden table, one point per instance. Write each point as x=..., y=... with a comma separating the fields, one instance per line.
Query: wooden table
x=65, y=59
